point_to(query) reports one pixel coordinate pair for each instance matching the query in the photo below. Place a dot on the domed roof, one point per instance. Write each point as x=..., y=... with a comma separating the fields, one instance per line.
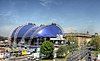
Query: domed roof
x=37, y=31
x=21, y=30
x=49, y=31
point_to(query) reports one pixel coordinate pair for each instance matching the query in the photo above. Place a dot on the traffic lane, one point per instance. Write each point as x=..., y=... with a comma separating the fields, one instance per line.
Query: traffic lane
x=79, y=55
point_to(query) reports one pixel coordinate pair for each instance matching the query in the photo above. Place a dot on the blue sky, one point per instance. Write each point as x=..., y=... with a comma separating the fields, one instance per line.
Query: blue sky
x=73, y=15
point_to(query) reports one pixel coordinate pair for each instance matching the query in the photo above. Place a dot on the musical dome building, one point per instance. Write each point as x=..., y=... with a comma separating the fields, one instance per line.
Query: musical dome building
x=32, y=34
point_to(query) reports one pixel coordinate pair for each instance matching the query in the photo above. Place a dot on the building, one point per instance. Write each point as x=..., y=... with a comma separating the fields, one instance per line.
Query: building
x=81, y=37
x=33, y=36
x=2, y=54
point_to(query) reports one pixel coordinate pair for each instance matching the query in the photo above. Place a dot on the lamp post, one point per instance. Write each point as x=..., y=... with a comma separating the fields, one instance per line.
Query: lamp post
x=37, y=44
x=44, y=38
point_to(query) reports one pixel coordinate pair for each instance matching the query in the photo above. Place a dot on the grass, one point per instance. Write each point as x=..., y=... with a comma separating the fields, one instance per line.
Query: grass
x=96, y=53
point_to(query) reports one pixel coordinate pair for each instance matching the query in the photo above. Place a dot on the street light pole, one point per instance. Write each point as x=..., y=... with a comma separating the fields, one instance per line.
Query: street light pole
x=37, y=44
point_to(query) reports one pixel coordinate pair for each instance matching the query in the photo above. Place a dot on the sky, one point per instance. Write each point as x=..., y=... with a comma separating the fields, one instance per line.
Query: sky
x=78, y=16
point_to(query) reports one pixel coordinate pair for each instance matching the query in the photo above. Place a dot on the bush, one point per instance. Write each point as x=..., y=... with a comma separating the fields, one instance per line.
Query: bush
x=61, y=51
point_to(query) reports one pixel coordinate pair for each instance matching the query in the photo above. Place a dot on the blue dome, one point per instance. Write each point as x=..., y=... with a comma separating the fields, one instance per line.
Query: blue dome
x=21, y=30
x=37, y=31
x=49, y=31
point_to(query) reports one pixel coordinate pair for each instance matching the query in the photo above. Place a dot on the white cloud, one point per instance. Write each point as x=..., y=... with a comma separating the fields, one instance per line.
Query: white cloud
x=47, y=3
x=44, y=2
x=70, y=29
x=6, y=30
x=91, y=29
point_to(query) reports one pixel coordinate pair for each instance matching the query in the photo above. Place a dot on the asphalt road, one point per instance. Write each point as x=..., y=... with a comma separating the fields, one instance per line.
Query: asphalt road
x=80, y=54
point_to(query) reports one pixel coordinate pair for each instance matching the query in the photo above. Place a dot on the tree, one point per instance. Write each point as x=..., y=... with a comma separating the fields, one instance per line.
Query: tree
x=72, y=39
x=85, y=43
x=47, y=49
x=61, y=51
x=95, y=42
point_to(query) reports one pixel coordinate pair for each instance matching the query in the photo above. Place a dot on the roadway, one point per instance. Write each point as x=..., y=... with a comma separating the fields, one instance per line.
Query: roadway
x=80, y=54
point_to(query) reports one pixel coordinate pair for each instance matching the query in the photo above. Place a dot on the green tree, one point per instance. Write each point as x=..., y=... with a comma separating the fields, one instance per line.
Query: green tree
x=72, y=39
x=61, y=51
x=85, y=43
x=95, y=42
x=47, y=49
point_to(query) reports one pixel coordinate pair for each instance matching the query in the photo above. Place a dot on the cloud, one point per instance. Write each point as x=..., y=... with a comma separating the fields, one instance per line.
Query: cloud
x=47, y=3
x=70, y=29
x=90, y=28
x=7, y=22
x=6, y=30
x=43, y=3
x=8, y=18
